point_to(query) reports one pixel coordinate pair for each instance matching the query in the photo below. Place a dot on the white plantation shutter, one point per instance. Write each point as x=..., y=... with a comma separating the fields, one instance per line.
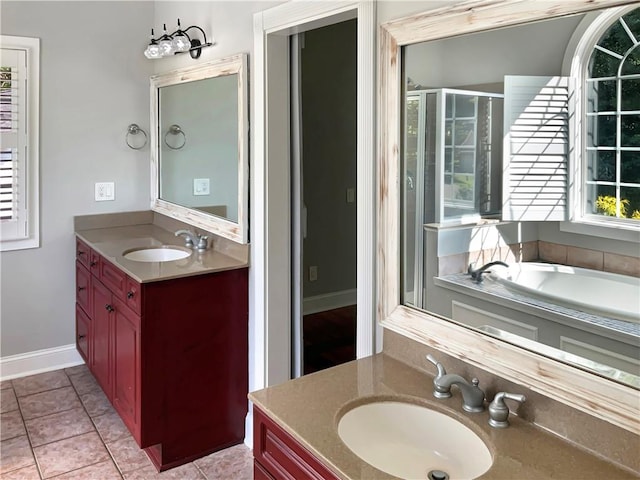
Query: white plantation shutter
x=12, y=143
x=18, y=142
x=536, y=148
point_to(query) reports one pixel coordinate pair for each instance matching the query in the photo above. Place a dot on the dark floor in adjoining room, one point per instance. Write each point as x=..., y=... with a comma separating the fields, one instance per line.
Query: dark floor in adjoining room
x=329, y=338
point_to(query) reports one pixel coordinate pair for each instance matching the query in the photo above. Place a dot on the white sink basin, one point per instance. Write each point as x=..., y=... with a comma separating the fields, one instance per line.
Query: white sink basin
x=409, y=441
x=157, y=254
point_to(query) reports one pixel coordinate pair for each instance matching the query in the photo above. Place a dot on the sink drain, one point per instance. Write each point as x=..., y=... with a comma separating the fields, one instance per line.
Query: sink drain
x=437, y=475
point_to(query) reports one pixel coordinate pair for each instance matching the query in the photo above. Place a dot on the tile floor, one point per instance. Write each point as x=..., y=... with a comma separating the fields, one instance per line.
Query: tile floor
x=61, y=425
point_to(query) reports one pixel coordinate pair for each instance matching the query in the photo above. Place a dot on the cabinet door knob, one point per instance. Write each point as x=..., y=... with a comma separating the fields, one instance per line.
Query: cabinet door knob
x=80, y=337
x=81, y=288
x=130, y=294
x=80, y=252
x=108, y=307
x=93, y=264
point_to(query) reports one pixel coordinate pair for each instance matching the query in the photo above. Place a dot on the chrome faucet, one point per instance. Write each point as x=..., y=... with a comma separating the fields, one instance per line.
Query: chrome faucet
x=477, y=274
x=194, y=240
x=472, y=395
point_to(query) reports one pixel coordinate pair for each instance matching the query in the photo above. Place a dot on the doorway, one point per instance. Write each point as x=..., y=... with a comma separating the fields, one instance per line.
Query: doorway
x=270, y=273
x=324, y=209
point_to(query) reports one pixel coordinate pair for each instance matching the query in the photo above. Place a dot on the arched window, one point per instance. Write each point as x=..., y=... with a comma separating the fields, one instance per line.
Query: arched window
x=612, y=143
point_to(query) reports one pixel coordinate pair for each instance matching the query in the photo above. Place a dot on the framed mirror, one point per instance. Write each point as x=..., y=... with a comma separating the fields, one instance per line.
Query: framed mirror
x=199, y=138
x=444, y=90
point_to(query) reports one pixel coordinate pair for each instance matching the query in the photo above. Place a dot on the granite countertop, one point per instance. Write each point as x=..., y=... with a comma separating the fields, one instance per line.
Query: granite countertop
x=112, y=242
x=310, y=407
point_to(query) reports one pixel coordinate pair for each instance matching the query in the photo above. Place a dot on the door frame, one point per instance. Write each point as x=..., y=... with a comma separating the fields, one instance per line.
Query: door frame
x=270, y=303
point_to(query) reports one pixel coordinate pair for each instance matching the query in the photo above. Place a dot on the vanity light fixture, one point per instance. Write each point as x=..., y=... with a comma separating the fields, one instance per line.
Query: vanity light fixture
x=176, y=42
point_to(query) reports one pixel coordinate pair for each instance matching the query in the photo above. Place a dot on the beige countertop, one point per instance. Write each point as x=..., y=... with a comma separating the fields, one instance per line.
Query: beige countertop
x=310, y=407
x=113, y=242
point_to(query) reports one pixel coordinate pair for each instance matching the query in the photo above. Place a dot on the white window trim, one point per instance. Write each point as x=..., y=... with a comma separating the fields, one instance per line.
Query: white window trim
x=32, y=48
x=575, y=64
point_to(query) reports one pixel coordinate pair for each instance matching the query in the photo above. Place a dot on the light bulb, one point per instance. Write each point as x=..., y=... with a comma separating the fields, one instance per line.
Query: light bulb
x=165, y=46
x=180, y=42
x=153, y=51
x=165, y=43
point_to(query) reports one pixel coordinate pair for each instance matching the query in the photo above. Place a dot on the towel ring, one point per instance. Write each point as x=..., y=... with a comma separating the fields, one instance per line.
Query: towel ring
x=134, y=129
x=175, y=130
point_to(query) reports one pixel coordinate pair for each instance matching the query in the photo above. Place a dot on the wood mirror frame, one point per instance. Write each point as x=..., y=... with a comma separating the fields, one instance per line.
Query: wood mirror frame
x=236, y=231
x=597, y=396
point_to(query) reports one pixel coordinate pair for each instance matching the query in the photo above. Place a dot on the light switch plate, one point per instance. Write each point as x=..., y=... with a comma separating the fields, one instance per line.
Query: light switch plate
x=201, y=186
x=105, y=191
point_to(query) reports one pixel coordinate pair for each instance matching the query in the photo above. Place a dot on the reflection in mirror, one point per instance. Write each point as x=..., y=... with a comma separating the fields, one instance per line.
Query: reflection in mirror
x=200, y=132
x=490, y=130
x=199, y=148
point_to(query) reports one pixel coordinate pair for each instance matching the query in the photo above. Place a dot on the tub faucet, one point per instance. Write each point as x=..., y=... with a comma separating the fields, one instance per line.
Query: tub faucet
x=194, y=240
x=472, y=396
x=477, y=274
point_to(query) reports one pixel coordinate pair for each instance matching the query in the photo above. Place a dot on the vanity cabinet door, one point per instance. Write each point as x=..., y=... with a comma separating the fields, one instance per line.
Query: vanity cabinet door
x=280, y=455
x=259, y=473
x=126, y=366
x=101, y=347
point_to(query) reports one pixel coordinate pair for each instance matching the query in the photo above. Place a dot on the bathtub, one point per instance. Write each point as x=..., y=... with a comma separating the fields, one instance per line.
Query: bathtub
x=605, y=294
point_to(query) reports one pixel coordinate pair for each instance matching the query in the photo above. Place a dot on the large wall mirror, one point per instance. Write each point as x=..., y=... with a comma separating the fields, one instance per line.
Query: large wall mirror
x=199, y=134
x=451, y=80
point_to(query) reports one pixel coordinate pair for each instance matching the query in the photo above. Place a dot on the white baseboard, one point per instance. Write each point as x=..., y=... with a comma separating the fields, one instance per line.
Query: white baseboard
x=329, y=301
x=39, y=361
x=248, y=427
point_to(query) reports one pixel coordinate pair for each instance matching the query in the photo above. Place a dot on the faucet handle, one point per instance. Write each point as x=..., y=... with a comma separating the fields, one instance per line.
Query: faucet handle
x=499, y=411
x=438, y=390
x=439, y=366
x=203, y=243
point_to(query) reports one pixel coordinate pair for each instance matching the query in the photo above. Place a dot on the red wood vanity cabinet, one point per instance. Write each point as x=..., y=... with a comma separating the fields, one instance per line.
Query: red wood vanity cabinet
x=278, y=456
x=171, y=355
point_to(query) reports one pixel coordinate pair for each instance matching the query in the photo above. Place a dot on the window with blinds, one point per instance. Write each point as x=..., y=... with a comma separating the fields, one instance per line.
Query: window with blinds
x=18, y=143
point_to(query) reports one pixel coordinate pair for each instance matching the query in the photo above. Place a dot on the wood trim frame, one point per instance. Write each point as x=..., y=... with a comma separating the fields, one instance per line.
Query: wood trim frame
x=605, y=399
x=236, y=231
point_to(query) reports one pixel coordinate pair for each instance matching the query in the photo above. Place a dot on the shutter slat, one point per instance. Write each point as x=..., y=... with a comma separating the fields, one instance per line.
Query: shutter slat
x=536, y=130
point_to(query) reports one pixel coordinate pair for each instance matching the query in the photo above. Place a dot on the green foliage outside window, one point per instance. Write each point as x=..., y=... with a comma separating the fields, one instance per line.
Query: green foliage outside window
x=607, y=205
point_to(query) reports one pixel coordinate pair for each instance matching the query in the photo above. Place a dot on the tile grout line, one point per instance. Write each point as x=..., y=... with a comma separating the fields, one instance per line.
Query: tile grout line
x=26, y=432
x=113, y=460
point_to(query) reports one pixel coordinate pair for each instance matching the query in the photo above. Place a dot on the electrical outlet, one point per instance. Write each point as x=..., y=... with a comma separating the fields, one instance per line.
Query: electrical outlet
x=313, y=273
x=105, y=191
x=201, y=186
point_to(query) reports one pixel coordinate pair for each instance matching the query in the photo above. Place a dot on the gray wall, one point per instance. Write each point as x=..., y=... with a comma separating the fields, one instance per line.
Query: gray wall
x=329, y=90
x=484, y=58
x=89, y=94
x=93, y=84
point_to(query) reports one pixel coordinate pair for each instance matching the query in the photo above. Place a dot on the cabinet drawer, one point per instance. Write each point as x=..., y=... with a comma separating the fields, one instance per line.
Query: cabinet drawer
x=113, y=278
x=133, y=295
x=94, y=264
x=83, y=333
x=83, y=252
x=83, y=287
x=281, y=455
